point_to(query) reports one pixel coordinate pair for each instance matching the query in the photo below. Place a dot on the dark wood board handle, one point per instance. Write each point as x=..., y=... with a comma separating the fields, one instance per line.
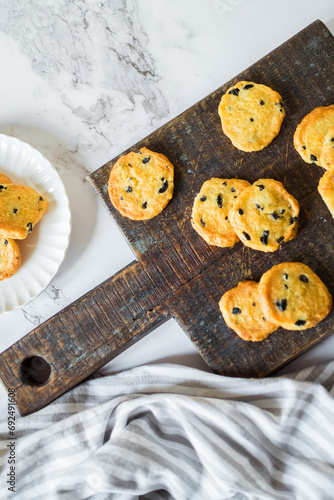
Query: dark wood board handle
x=87, y=334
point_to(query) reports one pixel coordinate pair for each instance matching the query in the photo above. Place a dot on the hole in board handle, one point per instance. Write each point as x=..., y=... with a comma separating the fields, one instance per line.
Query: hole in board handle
x=35, y=370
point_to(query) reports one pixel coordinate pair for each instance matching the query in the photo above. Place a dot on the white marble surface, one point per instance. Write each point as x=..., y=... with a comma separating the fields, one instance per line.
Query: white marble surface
x=81, y=80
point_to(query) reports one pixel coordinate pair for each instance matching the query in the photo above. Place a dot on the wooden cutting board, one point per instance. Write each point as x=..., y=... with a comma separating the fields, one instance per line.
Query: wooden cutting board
x=177, y=274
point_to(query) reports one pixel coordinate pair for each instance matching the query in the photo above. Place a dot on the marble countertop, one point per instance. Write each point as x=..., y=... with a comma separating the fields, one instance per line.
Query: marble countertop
x=82, y=80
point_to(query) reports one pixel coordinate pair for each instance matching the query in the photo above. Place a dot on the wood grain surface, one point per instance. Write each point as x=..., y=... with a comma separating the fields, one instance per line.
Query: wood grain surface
x=176, y=273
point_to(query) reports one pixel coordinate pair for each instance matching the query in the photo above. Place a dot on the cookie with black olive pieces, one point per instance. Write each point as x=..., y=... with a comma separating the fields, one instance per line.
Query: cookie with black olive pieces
x=21, y=207
x=10, y=257
x=326, y=190
x=210, y=213
x=242, y=311
x=265, y=215
x=327, y=151
x=310, y=134
x=141, y=184
x=251, y=115
x=294, y=296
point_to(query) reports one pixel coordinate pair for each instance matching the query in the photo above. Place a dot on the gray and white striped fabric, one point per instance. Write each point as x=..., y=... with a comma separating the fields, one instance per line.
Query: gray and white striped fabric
x=170, y=432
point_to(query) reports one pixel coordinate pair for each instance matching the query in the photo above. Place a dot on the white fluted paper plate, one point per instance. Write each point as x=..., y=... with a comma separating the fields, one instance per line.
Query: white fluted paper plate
x=44, y=249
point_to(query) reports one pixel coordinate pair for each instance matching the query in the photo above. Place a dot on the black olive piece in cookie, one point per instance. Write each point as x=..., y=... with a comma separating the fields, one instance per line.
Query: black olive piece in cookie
x=210, y=213
x=294, y=296
x=265, y=215
x=251, y=115
x=242, y=311
x=141, y=184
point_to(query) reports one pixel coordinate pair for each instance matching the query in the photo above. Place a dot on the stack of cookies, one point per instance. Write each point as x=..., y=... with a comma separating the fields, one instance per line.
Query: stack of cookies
x=290, y=295
x=262, y=215
x=21, y=207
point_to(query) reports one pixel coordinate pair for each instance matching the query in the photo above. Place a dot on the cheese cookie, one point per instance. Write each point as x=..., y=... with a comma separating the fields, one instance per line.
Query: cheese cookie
x=210, y=213
x=326, y=190
x=251, y=115
x=242, y=311
x=10, y=257
x=21, y=207
x=265, y=215
x=310, y=134
x=294, y=296
x=141, y=184
x=4, y=179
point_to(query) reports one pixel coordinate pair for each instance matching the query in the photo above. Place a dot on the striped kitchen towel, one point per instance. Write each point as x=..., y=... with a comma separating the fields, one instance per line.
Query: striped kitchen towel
x=170, y=432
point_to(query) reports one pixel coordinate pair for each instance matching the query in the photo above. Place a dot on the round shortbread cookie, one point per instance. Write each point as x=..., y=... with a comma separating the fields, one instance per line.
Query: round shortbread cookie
x=294, y=296
x=265, y=215
x=211, y=207
x=310, y=134
x=21, y=207
x=141, y=184
x=242, y=311
x=251, y=115
x=326, y=190
x=327, y=151
x=10, y=257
